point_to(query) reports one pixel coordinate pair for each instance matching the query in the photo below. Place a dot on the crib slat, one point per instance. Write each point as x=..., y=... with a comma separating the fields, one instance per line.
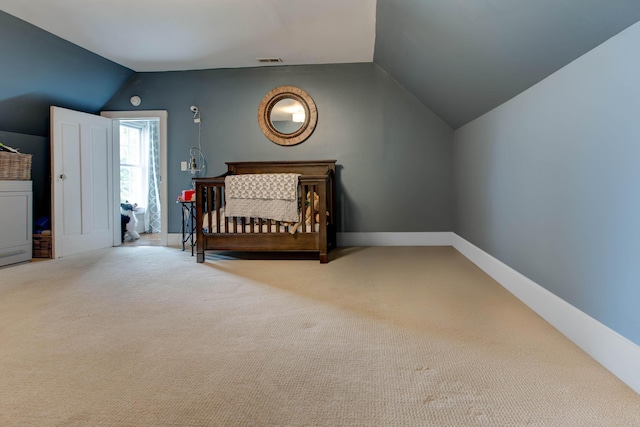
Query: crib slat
x=209, y=205
x=224, y=202
x=303, y=211
x=312, y=209
x=306, y=206
x=309, y=207
x=216, y=206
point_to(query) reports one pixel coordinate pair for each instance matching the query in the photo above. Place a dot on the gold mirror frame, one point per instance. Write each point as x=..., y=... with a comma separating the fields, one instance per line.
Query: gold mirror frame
x=271, y=99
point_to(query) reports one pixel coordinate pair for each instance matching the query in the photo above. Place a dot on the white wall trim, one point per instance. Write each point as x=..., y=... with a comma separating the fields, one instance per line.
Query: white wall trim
x=174, y=239
x=612, y=350
x=163, y=116
x=396, y=239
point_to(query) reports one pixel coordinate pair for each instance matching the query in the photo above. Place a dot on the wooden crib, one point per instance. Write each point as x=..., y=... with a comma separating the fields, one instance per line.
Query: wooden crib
x=215, y=231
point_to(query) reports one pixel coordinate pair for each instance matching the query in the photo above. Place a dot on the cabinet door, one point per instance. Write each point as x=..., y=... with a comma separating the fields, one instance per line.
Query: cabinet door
x=15, y=222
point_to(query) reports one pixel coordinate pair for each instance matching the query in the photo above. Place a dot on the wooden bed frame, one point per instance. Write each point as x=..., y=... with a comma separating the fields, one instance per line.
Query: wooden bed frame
x=216, y=232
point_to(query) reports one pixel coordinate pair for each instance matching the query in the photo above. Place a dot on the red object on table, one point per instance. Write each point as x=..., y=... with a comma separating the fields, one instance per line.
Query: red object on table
x=187, y=195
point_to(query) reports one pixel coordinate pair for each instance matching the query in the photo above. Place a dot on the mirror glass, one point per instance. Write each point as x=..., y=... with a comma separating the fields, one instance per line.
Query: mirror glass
x=287, y=116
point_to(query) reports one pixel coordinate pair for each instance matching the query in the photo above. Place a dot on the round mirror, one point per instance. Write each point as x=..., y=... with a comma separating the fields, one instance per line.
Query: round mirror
x=287, y=115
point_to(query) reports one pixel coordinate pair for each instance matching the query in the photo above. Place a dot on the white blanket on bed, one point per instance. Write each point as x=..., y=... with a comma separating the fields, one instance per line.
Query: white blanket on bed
x=270, y=196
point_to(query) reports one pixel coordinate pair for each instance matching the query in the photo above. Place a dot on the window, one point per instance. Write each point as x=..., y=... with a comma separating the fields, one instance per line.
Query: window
x=133, y=162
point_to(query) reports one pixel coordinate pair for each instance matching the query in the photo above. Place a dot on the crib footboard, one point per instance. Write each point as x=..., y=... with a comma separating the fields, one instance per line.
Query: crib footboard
x=314, y=232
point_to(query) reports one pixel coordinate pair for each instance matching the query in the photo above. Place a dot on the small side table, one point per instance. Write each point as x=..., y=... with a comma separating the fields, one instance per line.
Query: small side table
x=188, y=223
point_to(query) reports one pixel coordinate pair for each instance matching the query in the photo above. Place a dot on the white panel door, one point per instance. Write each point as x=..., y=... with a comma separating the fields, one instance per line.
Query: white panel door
x=82, y=182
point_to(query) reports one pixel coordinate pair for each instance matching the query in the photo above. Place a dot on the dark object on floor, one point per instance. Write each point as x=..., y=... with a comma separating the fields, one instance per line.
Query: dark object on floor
x=130, y=232
x=124, y=219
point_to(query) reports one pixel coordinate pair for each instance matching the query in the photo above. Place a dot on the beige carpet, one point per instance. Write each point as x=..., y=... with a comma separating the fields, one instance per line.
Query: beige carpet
x=145, y=336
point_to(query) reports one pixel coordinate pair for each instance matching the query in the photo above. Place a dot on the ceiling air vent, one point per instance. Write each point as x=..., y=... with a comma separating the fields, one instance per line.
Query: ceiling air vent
x=269, y=60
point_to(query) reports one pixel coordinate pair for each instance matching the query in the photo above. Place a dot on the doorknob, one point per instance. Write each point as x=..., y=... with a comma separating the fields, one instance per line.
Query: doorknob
x=63, y=176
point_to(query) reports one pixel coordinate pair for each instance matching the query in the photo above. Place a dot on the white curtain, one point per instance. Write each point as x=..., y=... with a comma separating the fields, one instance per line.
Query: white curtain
x=152, y=214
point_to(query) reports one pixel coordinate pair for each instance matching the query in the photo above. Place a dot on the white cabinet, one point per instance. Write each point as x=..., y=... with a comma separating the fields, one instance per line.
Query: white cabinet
x=16, y=202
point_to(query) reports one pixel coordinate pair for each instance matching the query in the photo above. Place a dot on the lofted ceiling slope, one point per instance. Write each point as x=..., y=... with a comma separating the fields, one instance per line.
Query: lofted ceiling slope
x=461, y=58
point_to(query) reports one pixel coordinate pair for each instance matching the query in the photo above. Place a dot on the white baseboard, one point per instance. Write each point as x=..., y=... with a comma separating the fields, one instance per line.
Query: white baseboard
x=371, y=239
x=174, y=239
x=610, y=349
x=396, y=239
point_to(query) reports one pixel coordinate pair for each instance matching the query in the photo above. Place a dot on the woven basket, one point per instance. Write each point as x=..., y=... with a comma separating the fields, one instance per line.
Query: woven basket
x=41, y=246
x=15, y=166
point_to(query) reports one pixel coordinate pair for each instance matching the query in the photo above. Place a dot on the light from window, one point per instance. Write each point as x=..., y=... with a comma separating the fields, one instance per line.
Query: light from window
x=133, y=163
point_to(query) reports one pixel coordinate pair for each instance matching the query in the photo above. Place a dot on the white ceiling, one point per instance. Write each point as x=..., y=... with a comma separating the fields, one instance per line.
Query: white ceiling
x=163, y=35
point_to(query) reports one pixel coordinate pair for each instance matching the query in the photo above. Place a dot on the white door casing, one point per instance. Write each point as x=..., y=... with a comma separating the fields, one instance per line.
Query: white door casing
x=82, y=182
x=141, y=115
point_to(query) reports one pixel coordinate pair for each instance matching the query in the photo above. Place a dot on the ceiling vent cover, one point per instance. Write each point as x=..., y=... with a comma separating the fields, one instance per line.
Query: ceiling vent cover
x=269, y=60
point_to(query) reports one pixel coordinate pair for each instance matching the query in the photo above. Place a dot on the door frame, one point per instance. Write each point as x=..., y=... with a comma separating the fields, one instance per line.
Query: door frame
x=162, y=115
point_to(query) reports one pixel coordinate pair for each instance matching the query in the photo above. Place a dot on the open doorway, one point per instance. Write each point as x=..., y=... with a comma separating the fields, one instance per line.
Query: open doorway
x=141, y=215
x=140, y=164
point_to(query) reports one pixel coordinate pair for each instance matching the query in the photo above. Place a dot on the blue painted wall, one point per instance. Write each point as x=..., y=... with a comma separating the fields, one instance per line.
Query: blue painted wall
x=394, y=154
x=463, y=58
x=38, y=69
x=38, y=147
x=549, y=183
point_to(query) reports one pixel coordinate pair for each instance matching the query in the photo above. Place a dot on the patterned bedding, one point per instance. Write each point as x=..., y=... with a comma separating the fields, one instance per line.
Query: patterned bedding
x=270, y=196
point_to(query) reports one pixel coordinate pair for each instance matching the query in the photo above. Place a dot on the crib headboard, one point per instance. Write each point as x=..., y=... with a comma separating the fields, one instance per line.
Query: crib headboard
x=304, y=167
